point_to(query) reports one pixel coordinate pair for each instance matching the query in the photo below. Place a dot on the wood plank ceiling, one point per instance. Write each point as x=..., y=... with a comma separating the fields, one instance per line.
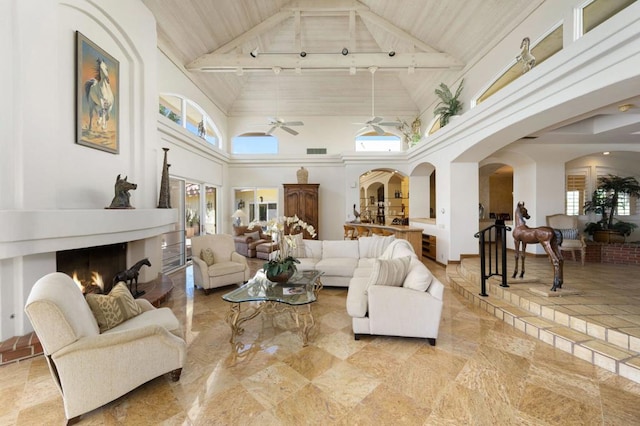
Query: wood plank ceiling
x=455, y=33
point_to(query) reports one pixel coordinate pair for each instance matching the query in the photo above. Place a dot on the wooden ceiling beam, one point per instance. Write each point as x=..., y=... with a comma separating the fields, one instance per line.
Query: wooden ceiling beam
x=319, y=61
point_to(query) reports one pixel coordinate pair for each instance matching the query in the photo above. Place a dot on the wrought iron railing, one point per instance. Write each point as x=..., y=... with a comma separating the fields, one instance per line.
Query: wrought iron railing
x=493, y=254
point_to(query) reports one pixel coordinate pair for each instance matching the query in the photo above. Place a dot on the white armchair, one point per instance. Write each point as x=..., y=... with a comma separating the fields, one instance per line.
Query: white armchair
x=92, y=368
x=223, y=267
x=572, y=238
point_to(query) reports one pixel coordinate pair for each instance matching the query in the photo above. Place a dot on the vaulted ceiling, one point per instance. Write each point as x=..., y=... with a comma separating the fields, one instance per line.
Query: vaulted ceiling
x=433, y=40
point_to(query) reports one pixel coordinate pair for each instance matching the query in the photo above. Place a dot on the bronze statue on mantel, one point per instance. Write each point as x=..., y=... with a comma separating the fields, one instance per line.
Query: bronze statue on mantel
x=122, y=196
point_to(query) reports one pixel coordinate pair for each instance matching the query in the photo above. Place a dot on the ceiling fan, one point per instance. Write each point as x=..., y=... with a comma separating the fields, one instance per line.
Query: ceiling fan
x=276, y=122
x=375, y=123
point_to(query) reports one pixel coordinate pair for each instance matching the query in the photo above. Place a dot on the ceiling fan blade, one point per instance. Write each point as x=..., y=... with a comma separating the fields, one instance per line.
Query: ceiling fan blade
x=270, y=131
x=364, y=129
x=286, y=129
x=293, y=123
x=378, y=129
x=376, y=120
x=389, y=123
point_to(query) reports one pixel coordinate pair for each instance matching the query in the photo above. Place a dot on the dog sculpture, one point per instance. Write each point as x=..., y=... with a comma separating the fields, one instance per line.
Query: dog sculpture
x=122, y=196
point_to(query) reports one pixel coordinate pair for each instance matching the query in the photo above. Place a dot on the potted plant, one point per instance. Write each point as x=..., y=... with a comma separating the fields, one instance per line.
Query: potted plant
x=193, y=222
x=605, y=201
x=449, y=104
x=283, y=266
x=411, y=132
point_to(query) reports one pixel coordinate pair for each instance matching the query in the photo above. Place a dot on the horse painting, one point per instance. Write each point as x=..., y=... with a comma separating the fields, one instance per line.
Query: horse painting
x=122, y=196
x=99, y=95
x=548, y=237
x=130, y=276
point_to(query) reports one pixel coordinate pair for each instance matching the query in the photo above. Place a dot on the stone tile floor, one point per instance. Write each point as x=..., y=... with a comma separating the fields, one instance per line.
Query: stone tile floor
x=482, y=372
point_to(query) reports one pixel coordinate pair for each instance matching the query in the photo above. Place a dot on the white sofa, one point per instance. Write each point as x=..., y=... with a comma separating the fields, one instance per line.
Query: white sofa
x=339, y=259
x=411, y=308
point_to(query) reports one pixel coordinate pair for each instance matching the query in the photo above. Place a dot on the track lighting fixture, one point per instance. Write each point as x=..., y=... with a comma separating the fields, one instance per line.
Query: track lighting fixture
x=345, y=51
x=303, y=54
x=254, y=53
x=392, y=53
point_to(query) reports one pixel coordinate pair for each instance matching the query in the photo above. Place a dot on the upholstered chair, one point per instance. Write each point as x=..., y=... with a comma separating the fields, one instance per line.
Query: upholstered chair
x=572, y=238
x=216, y=262
x=92, y=368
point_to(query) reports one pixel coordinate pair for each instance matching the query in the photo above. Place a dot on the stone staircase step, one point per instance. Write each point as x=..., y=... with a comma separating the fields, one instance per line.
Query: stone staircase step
x=588, y=340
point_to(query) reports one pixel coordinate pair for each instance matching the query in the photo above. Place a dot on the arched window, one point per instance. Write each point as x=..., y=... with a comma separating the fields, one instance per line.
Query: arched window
x=374, y=142
x=189, y=115
x=254, y=143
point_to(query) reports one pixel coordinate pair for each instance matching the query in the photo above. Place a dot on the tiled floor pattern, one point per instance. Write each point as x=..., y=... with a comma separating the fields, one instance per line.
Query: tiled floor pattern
x=482, y=372
x=600, y=324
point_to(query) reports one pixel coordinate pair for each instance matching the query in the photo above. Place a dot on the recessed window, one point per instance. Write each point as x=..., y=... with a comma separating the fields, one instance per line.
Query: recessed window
x=190, y=116
x=598, y=11
x=375, y=142
x=254, y=143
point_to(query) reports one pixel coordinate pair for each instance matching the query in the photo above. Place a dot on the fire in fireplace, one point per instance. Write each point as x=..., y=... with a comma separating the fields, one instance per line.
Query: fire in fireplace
x=93, y=267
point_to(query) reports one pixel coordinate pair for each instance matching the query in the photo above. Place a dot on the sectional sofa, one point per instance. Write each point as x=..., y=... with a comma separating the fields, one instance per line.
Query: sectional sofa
x=390, y=290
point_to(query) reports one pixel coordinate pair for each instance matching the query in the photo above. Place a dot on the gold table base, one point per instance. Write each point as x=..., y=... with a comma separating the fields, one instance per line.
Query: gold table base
x=303, y=317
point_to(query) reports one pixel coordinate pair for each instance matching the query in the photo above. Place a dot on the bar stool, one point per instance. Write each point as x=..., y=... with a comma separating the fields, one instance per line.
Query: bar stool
x=363, y=231
x=349, y=232
x=387, y=232
x=377, y=231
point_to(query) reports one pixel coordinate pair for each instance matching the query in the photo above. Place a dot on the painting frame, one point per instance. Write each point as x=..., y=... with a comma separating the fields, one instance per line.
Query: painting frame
x=97, y=83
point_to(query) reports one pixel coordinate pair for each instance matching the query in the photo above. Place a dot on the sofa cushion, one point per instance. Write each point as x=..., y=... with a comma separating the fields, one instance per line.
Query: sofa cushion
x=225, y=268
x=312, y=248
x=293, y=245
x=363, y=272
x=113, y=308
x=255, y=236
x=398, y=248
x=342, y=266
x=340, y=248
x=419, y=277
x=570, y=234
x=366, y=262
x=374, y=245
x=307, y=264
x=389, y=272
x=207, y=256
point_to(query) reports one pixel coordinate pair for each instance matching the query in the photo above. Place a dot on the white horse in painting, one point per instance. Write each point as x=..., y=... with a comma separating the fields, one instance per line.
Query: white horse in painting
x=99, y=95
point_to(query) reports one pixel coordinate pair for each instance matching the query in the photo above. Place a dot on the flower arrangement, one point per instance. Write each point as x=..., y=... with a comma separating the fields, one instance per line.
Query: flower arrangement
x=282, y=230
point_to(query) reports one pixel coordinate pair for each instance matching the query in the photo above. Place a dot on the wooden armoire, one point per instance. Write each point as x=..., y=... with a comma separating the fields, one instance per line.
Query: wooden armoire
x=302, y=199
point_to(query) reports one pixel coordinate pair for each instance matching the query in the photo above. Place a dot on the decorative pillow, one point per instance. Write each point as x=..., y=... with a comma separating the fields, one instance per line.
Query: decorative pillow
x=207, y=256
x=569, y=234
x=389, y=272
x=419, y=277
x=114, y=308
x=255, y=236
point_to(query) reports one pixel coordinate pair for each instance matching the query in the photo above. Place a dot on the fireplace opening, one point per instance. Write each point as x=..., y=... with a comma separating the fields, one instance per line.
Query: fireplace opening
x=93, y=267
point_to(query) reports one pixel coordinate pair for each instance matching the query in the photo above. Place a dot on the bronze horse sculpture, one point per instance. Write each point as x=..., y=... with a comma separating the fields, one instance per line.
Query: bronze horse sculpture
x=549, y=238
x=130, y=277
x=122, y=196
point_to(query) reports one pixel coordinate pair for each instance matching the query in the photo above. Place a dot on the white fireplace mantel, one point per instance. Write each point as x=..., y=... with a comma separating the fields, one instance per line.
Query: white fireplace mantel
x=25, y=232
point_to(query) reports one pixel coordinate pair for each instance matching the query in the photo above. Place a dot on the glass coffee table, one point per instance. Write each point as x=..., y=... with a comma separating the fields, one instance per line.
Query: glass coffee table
x=295, y=297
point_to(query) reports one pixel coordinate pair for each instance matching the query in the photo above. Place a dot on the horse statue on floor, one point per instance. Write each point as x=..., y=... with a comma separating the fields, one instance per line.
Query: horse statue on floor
x=121, y=199
x=549, y=238
x=525, y=56
x=130, y=276
x=99, y=95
